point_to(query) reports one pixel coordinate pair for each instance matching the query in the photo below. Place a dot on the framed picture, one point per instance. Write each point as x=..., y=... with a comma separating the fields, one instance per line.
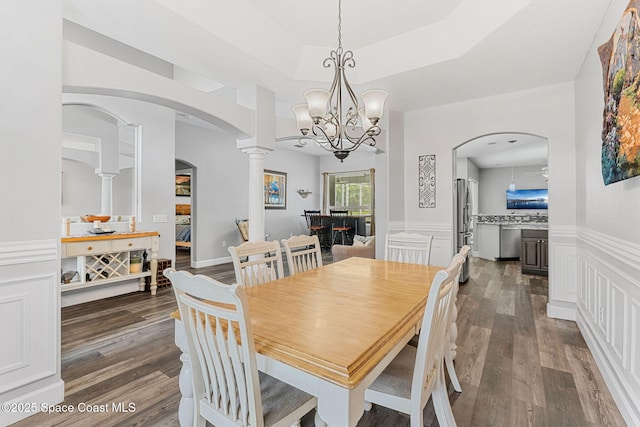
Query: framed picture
x=183, y=185
x=275, y=190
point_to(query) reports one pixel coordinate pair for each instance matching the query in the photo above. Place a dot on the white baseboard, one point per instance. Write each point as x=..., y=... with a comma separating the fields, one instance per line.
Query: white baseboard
x=627, y=406
x=43, y=397
x=211, y=262
x=559, y=310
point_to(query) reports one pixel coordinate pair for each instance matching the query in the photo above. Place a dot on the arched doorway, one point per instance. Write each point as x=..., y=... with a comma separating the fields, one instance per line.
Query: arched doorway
x=487, y=170
x=186, y=220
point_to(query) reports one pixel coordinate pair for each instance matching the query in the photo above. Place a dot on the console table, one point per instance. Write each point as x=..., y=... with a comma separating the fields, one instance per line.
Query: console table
x=104, y=259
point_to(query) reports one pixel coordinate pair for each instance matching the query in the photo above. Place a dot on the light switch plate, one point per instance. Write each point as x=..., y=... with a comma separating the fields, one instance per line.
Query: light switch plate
x=159, y=218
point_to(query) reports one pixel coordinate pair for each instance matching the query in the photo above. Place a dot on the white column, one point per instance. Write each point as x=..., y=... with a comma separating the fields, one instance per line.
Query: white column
x=262, y=141
x=106, y=203
x=256, y=193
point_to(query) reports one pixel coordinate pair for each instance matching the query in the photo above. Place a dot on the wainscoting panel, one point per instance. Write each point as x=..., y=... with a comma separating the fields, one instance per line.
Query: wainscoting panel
x=563, y=272
x=442, y=245
x=635, y=341
x=591, y=291
x=618, y=322
x=608, y=313
x=602, y=305
x=29, y=325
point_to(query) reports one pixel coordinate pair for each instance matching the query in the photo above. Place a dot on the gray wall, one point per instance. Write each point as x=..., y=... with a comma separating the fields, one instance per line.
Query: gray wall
x=466, y=169
x=494, y=182
x=220, y=185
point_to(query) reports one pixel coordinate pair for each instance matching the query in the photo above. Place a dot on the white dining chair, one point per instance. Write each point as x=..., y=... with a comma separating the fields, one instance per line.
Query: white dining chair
x=452, y=333
x=412, y=248
x=227, y=388
x=256, y=263
x=418, y=373
x=303, y=253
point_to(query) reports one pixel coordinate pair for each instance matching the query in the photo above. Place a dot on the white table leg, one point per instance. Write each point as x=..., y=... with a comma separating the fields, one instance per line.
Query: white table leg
x=154, y=270
x=338, y=406
x=186, y=409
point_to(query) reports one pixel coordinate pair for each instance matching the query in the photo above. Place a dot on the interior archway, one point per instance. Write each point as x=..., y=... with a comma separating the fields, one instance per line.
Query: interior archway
x=493, y=164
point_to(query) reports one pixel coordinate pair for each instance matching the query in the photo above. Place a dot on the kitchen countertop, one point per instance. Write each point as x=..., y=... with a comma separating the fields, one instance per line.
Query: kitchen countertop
x=536, y=225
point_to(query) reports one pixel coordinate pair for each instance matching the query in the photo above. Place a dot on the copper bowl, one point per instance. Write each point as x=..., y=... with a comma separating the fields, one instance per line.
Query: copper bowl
x=91, y=218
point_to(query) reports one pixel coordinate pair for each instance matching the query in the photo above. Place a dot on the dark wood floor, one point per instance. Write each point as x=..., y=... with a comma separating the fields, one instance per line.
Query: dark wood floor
x=516, y=366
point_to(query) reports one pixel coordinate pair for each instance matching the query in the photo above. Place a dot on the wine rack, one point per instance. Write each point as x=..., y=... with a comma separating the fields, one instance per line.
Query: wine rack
x=106, y=266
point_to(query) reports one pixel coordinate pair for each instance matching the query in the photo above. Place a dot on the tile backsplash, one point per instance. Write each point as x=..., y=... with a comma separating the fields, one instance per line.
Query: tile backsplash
x=512, y=218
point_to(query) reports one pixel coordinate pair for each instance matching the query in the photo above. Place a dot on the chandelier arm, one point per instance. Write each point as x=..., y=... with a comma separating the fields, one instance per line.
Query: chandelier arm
x=334, y=59
x=348, y=61
x=371, y=132
x=329, y=139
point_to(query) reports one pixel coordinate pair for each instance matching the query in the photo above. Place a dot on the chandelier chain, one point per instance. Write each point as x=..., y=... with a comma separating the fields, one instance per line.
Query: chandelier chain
x=339, y=24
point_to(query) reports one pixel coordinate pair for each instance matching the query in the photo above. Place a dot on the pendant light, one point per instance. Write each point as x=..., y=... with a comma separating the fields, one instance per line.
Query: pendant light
x=512, y=186
x=340, y=125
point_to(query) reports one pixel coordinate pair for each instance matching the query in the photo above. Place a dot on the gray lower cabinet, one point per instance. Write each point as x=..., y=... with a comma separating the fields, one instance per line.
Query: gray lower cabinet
x=534, y=259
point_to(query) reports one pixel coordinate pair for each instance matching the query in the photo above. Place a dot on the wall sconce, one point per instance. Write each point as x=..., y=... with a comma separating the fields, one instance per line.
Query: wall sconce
x=303, y=193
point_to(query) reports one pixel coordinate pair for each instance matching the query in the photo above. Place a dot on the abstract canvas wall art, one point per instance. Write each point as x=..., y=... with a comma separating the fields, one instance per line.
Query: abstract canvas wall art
x=427, y=181
x=620, y=58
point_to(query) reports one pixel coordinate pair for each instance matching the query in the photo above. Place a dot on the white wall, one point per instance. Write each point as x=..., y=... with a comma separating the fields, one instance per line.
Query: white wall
x=302, y=171
x=30, y=82
x=494, y=182
x=220, y=186
x=157, y=161
x=547, y=112
x=608, y=242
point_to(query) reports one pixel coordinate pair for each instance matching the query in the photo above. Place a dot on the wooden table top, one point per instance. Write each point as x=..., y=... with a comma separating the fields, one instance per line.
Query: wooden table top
x=113, y=236
x=338, y=321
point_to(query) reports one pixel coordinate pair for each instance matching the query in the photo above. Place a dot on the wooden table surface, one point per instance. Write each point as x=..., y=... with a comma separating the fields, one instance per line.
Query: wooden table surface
x=112, y=236
x=339, y=321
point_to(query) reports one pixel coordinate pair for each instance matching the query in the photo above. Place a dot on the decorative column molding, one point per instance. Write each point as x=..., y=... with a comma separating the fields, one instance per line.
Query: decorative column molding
x=106, y=203
x=256, y=192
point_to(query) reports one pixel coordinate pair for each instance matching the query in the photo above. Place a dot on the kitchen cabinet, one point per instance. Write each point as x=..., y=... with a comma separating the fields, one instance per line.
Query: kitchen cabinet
x=535, y=259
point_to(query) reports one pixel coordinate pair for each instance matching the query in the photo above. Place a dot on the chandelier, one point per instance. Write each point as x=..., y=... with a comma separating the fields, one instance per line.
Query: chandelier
x=337, y=126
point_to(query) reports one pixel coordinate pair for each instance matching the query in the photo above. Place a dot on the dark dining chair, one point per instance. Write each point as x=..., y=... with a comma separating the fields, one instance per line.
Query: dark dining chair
x=314, y=224
x=339, y=225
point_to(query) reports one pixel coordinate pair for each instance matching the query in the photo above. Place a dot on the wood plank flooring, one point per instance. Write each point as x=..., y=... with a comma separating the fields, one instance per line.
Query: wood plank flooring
x=516, y=366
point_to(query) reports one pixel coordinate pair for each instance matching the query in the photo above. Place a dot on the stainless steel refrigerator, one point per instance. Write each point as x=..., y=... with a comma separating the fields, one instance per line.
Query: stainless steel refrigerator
x=463, y=222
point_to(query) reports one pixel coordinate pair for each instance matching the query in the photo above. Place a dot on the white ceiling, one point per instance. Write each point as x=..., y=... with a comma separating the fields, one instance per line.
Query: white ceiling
x=496, y=150
x=423, y=52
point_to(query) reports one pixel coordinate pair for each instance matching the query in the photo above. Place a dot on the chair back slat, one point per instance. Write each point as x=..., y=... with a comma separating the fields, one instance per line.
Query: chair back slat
x=412, y=248
x=303, y=253
x=433, y=334
x=256, y=263
x=222, y=351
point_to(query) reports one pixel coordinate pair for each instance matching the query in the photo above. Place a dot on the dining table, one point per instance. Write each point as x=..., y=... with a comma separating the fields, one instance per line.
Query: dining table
x=329, y=331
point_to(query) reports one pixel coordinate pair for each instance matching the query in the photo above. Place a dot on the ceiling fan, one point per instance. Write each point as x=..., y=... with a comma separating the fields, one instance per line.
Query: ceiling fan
x=544, y=171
